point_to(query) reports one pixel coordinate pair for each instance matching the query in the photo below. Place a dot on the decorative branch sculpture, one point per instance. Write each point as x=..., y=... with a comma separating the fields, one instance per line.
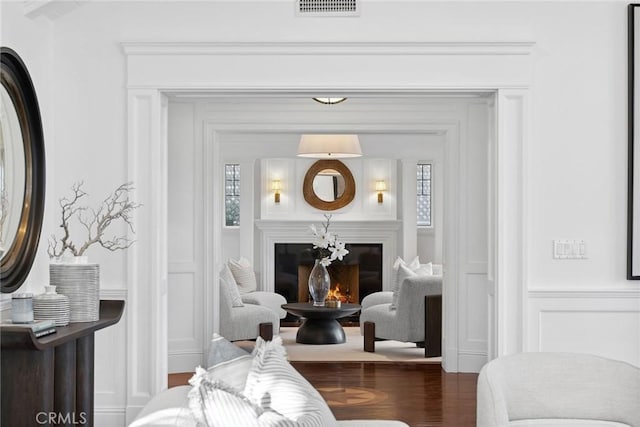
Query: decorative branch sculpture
x=116, y=206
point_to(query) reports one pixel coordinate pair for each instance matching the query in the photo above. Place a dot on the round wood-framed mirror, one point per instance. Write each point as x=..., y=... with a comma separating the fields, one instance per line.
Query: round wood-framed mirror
x=329, y=185
x=22, y=172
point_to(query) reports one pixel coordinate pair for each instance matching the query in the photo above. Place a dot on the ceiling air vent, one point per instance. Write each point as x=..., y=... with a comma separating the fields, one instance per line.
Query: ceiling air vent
x=328, y=7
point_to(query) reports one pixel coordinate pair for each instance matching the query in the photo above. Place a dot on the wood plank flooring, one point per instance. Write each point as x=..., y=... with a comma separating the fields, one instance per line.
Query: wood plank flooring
x=420, y=395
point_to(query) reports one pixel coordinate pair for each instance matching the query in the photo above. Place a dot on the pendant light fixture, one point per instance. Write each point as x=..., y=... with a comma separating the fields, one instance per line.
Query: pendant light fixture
x=329, y=99
x=325, y=146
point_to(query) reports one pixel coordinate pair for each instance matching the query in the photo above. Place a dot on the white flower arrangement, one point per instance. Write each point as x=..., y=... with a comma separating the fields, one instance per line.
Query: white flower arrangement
x=327, y=245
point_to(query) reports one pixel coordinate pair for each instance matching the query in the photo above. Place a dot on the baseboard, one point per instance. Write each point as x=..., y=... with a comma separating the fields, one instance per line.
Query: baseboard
x=131, y=412
x=109, y=417
x=471, y=362
x=184, y=361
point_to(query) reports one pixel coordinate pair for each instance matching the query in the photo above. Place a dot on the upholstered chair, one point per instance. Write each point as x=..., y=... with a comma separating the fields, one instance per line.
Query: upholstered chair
x=558, y=389
x=416, y=317
x=240, y=320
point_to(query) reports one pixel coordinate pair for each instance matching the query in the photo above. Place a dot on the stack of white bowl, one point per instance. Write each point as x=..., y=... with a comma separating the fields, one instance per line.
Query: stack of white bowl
x=52, y=306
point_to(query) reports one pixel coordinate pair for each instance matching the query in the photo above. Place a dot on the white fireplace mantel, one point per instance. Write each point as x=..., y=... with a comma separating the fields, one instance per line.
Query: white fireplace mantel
x=271, y=232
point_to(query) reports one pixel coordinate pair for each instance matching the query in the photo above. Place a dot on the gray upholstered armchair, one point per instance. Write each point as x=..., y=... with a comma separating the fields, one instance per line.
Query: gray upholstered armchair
x=558, y=389
x=242, y=320
x=417, y=317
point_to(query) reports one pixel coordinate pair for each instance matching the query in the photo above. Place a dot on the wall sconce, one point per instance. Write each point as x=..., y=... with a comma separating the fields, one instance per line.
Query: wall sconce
x=276, y=186
x=381, y=186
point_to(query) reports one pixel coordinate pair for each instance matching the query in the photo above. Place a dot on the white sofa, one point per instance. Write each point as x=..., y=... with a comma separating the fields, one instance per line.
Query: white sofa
x=171, y=408
x=232, y=365
x=558, y=389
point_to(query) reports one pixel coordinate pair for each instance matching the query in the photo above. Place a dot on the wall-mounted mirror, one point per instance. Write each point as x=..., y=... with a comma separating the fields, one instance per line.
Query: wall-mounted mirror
x=329, y=185
x=22, y=171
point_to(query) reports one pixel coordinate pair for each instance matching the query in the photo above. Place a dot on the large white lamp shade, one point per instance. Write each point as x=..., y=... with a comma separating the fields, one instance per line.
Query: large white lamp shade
x=329, y=146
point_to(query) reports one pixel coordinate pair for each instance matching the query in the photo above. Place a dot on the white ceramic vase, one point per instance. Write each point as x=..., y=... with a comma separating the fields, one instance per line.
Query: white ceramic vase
x=79, y=280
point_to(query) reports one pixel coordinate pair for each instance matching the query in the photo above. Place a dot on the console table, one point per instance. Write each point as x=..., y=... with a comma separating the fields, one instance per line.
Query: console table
x=49, y=380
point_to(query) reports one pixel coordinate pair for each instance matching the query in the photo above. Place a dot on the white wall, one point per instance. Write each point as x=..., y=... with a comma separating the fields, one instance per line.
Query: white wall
x=575, y=157
x=33, y=42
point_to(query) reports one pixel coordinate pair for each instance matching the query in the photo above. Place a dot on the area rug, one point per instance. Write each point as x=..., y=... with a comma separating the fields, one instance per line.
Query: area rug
x=352, y=350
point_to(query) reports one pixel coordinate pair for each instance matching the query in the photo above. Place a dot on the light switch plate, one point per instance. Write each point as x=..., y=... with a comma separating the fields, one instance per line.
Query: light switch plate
x=569, y=249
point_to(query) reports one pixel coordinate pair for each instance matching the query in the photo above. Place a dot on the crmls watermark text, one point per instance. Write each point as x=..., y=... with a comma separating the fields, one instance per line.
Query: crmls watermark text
x=60, y=418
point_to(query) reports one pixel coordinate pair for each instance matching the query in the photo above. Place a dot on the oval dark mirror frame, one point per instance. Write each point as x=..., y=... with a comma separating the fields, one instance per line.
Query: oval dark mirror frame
x=349, y=185
x=17, y=261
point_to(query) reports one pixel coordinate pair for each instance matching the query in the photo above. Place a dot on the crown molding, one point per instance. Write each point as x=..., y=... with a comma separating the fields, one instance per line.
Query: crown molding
x=330, y=48
x=585, y=293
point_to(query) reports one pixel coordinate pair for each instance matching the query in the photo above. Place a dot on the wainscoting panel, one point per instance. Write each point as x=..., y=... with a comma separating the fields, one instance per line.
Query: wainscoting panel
x=472, y=336
x=110, y=363
x=475, y=297
x=597, y=322
x=185, y=325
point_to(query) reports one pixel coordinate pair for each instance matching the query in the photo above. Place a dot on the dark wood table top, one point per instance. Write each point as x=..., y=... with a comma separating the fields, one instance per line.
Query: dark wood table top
x=21, y=337
x=310, y=311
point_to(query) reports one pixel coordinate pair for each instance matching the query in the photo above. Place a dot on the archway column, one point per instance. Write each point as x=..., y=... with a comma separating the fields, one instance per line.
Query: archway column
x=508, y=219
x=147, y=357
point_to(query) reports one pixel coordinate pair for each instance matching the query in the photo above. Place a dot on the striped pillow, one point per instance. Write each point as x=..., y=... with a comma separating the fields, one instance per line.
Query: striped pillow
x=216, y=404
x=275, y=385
x=243, y=274
x=233, y=372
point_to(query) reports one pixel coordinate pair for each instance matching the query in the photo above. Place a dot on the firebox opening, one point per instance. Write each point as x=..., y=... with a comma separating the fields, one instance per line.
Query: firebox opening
x=358, y=275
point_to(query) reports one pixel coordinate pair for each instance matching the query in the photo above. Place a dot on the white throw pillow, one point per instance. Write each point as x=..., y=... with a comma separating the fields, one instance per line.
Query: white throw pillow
x=243, y=274
x=233, y=372
x=412, y=266
x=216, y=404
x=425, y=270
x=229, y=287
x=403, y=272
x=275, y=385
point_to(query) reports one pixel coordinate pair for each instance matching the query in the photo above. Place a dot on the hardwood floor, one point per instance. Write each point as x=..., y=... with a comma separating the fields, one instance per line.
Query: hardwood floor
x=420, y=395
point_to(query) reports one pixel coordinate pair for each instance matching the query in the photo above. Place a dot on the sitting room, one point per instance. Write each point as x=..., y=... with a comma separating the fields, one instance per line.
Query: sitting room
x=327, y=212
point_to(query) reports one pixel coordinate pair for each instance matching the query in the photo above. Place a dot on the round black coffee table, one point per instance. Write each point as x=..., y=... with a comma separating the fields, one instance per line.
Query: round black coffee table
x=320, y=326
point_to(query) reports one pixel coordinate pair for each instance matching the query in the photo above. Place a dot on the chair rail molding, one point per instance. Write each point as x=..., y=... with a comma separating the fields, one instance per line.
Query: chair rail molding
x=504, y=48
x=153, y=69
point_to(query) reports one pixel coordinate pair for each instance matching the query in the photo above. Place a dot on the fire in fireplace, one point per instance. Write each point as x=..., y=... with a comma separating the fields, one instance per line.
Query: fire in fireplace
x=345, y=282
x=358, y=275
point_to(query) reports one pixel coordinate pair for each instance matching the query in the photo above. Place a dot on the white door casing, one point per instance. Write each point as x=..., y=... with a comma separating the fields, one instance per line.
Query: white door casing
x=154, y=68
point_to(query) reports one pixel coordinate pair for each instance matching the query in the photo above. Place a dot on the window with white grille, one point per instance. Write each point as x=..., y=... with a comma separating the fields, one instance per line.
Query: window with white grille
x=424, y=194
x=232, y=195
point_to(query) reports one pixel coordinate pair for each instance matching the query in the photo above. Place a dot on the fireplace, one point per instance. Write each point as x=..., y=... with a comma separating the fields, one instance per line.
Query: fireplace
x=358, y=275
